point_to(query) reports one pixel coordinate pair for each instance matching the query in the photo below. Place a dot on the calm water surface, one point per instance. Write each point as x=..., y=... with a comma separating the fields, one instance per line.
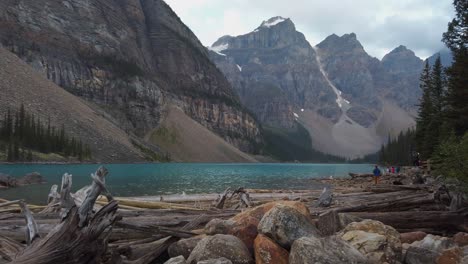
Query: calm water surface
x=174, y=178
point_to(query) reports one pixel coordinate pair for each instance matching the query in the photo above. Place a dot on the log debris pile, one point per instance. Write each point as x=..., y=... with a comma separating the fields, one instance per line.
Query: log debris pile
x=241, y=226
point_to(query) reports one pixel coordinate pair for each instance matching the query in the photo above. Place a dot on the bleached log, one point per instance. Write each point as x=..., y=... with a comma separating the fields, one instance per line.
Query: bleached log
x=357, y=175
x=383, y=188
x=156, y=248
x=438, y=222
x=53, y=196
x=66, y=201
x=222, y=199
x=9, y=248
x=32, y=230
x=401, y=203
x=94, y=191
x=5, y=204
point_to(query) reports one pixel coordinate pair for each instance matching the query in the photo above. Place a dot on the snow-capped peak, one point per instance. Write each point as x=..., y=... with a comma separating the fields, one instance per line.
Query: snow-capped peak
x=219, y=48
x=273, y=21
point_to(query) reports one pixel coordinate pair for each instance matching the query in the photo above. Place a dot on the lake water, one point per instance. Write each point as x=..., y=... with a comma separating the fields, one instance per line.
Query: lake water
x=175, y=178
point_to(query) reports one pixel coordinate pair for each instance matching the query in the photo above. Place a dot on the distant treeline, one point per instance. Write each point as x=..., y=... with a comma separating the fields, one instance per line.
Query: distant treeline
x=442, y=125
x=399, y=150
x=294, y=145
x=21, y=133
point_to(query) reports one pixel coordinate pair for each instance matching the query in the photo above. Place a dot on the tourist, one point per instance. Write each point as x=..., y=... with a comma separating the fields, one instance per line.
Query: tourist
x=377, y=174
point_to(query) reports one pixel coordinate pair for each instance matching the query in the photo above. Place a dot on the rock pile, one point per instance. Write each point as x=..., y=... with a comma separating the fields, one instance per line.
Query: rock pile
x=284, y=232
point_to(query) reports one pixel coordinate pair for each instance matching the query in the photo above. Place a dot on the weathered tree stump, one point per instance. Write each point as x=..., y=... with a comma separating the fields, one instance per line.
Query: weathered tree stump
x=81, y=237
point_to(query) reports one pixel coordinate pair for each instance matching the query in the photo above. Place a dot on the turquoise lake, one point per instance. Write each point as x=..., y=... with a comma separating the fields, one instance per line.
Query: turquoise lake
x=175, y=178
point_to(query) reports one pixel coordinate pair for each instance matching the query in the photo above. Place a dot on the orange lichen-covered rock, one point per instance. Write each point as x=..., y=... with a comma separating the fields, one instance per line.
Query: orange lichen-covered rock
x=268, y=252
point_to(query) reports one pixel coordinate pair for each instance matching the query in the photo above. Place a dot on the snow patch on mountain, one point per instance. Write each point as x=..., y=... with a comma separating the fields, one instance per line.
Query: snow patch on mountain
x=239, y=67
x=273, y=21
x=219, y=48
x=342, y=103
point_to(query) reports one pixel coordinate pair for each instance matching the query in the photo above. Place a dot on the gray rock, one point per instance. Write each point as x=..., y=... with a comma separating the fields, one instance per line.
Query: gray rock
x=221, y=246
x=218, y=226
x=7, y=181
x=417, y=255
x=216, y=261
x=427, y=250
x=325, y=198
x=183, y=247
x=285, y=224
x=31, y=178
x=327, y=250
x=176, y=260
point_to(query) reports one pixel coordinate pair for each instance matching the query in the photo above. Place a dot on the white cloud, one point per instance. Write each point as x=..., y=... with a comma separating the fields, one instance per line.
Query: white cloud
x=380, y=25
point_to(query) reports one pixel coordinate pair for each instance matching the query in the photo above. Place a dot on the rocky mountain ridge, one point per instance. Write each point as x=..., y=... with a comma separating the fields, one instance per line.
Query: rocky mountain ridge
x=279, y=75
x=278, y=59
x=131, y=58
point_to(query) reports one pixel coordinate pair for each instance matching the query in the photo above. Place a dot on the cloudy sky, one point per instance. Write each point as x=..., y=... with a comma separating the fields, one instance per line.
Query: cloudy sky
x=380, y=25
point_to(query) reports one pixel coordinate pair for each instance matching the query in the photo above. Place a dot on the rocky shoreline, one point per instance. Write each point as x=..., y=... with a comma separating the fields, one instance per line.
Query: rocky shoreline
x=400, y=220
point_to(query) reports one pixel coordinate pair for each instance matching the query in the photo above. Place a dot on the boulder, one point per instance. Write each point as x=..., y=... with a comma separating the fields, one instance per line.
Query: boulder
x=219, y=226
x=378, y=242
x=417, y=255
x=326, y=250
x=461, y=239
x=244, y=225
x=7, y=181
x=184, y=247
x=259, y=211
x=221, y=246
x=245, y=230
x=331, y=222
x=216, y=261
x=31, y=178
x=452, y=255
x=176, y=260
x=285, y=224
x=268, y=252
x=411, y=237
x=427, y=250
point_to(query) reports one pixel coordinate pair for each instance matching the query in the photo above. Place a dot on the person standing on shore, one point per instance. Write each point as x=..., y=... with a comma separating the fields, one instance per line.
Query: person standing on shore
x=377, y=174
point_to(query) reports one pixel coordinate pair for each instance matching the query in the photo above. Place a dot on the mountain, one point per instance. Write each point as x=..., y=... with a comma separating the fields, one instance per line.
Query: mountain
x=348, y=101
x=401, y=81
x=21, y=84
x=446, y=58
x=275, y=72
x=133, y=59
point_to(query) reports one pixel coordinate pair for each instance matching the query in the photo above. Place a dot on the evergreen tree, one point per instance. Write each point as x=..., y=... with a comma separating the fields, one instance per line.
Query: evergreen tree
x=425, y=112
x=10, y=156
x=398, y=150
x=434, y=126
x=30, y=156
x=456, y=39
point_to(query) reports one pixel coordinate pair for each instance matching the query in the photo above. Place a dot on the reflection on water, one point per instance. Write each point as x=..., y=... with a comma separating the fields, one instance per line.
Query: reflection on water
x=172, y=178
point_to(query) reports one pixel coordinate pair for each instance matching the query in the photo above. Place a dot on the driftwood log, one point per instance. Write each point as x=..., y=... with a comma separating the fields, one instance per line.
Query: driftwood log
x=435, y=222
x=222, y=199
x=357, y=175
